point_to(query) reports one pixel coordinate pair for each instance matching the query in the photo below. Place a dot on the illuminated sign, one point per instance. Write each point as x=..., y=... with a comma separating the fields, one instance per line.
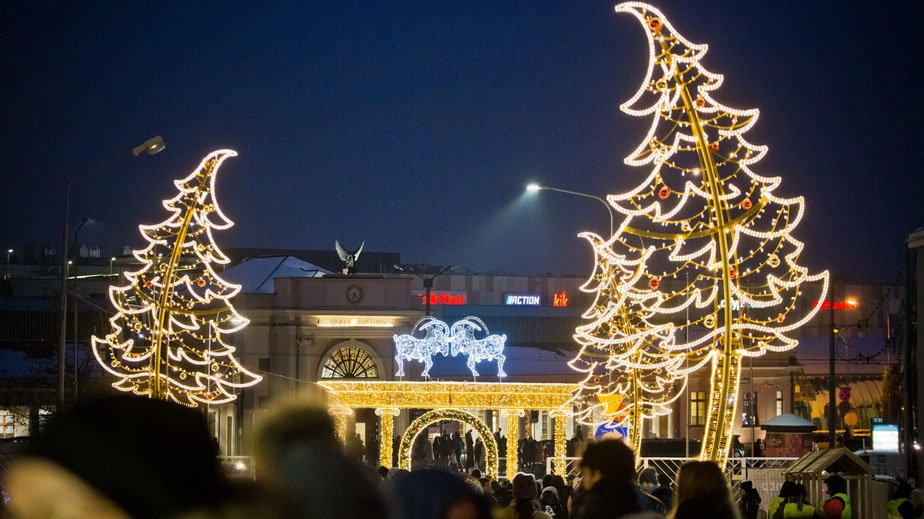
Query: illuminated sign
x=560, y=299
x=357, y=321
x=523, y=300
x=442, y=297
x=885, y=437
x=850, y=304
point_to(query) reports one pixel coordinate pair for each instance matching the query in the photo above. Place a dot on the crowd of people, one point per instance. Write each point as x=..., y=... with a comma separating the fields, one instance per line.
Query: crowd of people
x=134, y=458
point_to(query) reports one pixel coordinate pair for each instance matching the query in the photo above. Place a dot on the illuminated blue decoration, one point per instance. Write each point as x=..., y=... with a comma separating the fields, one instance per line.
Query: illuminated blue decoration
x=609, y=427
x=435, y=341
x=489, y=348
x=460, y=339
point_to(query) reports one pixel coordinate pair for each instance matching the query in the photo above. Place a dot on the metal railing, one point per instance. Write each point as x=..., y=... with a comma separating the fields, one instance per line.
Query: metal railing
x=765, y=473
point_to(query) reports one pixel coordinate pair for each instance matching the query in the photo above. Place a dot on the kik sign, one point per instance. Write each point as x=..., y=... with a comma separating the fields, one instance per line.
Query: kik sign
x=560, y=299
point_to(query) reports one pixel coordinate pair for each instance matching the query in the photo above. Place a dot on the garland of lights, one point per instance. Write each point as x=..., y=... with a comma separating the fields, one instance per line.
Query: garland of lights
x=707, y=270
x=456, y=415
x=167, y=338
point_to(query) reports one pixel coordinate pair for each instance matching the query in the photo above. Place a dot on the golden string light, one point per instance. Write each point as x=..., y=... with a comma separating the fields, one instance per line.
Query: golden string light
x=440, y=415
x=167, y=337
x=703, y=268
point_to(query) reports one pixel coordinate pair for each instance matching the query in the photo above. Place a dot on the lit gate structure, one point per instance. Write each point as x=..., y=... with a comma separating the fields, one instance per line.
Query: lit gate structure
x=449, y=401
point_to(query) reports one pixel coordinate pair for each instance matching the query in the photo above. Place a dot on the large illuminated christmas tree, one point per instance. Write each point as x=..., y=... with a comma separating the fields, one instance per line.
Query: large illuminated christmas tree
x=703, y=269
x=167, y=338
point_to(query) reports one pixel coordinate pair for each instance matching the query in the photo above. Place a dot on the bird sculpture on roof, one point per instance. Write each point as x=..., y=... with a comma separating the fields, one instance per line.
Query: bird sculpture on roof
x=349, y=258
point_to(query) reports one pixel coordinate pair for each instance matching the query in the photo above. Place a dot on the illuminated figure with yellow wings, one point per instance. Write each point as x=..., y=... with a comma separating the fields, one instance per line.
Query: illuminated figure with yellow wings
x=167, y=335
x=703, y=269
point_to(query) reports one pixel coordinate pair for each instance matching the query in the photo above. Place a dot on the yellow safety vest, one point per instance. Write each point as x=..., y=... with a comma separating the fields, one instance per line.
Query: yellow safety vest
x=791, y=511
x=846, y=513
x=893, y=508
x=774, y=505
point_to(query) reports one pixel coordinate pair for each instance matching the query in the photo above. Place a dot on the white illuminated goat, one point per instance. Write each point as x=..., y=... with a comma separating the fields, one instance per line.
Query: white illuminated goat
x=435, y=341
x=489, y=348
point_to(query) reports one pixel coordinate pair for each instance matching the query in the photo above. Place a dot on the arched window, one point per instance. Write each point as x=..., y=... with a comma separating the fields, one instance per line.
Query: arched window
x=349, y=362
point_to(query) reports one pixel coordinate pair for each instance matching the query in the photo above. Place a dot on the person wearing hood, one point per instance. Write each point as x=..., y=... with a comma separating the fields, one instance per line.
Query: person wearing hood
x=607, y=485
x=524, y=504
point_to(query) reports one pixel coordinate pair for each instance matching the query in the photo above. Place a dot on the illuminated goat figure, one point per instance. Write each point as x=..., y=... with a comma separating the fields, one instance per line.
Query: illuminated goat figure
x=489, y=348
x=435, y=341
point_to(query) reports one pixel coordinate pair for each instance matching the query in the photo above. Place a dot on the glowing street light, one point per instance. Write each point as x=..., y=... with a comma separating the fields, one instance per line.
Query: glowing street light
x=149, y=147
x=535, y=188
x=8, y=252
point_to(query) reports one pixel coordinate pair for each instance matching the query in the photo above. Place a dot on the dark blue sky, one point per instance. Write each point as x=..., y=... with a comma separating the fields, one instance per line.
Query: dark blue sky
x=415, y=126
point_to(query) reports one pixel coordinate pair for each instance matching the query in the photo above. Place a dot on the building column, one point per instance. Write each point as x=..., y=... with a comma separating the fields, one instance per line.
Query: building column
x=513, y=439
x=386, y=434
x=341, y=419
x=560, y=442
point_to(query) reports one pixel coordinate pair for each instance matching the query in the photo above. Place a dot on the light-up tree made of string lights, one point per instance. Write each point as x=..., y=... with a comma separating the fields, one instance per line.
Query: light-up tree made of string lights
x=167, y=338
x=631, y=374
x=704, y=265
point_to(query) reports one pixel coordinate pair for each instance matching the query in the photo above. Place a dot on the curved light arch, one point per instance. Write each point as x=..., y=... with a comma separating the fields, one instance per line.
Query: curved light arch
x=439, y=415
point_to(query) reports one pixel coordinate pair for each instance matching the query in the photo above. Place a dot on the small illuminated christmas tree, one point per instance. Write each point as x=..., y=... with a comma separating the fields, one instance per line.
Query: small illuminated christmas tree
x=167, y=338
x=707, y=269
x=631, y=374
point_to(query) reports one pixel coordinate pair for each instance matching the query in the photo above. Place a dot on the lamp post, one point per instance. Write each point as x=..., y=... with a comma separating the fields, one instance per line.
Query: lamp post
x=83, y=222
x=532, y=188
x=425, y=273
x=112, y=259
x=149, y=147
x=832, y=382
x=8, y=252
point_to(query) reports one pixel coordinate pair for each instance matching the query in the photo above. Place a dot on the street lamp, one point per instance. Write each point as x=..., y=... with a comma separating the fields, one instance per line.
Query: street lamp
x=149, y=147
x=83, y=222
x=8, y=252
x=425, y=273
x=110, y=265
x=533, y=188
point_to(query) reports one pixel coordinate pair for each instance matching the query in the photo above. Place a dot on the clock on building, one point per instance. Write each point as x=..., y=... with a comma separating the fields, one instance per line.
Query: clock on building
x=354, y=294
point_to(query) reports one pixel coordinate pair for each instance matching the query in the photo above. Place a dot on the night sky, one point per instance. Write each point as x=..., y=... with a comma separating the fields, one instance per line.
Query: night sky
x=416, y=126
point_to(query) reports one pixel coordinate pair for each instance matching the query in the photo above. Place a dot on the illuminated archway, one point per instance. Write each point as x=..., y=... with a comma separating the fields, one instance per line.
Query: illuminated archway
x=458, y=415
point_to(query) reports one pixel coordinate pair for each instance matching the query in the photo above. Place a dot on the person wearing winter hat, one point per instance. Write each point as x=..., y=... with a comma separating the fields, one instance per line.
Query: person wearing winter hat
x=524, y=504
x=119, y=457
x=648, y=483
x=550, y=503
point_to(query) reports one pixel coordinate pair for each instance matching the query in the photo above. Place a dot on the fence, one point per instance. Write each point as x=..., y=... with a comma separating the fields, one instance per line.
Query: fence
x=765, y=473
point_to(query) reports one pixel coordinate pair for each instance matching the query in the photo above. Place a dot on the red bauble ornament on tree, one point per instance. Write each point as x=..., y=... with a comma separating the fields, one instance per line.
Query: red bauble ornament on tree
x=746, y=204
x=700, y=102
x=200, y=282
x=664, y=192
x=654, y=283
x=732, y=273
x=714, y=146
x=654, y=23
x=148, y=284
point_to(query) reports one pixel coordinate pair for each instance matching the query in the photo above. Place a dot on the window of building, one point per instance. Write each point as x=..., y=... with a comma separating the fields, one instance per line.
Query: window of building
x=349, y=362
x=697, y=407
x=749, y=410
x=779, y=403
x=7, y=425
